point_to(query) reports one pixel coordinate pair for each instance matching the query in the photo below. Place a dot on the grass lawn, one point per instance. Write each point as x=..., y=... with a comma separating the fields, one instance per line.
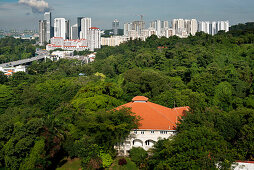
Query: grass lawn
x=129, y=166
x=70, y=164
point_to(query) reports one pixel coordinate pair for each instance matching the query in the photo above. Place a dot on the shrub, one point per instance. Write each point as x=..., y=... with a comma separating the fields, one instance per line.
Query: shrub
x=122, y=161
x=138, y=155
x=106, y=159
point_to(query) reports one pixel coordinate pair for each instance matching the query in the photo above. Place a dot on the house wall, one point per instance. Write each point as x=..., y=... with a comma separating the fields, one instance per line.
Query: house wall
x=142, y=138
x=243, y=165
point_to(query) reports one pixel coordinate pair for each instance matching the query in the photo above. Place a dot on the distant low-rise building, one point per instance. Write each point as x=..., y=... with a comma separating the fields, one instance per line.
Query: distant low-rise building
x=114, y=40
x=62, y=54
x=9, y=70
x=59, y=42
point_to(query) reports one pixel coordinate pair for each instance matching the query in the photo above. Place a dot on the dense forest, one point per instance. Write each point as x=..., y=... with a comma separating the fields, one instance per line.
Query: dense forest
x=51, y=112
x=12, y=49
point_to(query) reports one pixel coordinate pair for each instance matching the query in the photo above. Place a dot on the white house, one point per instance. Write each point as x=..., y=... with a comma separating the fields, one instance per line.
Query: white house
x=156, y=122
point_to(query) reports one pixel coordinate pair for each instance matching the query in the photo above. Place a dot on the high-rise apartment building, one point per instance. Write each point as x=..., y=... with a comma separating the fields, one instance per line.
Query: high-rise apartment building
x=204, y=26
x=74, y=32
x=86, y=24
x=213, y=28
x=115, y=26
x=223, y=25
x=42, y=32
x=156, y=25
x=169, y=32
x=194, y=26
x=164, y=25
x=61, y=28
x=153, y=25
x=126, y=28
x=138, y=26
x=178, y=26
x=94, y=38
x=187, y=26
x=47, y=18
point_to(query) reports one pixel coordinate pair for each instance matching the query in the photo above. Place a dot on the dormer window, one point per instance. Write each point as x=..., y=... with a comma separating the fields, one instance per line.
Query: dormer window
x=139, y=101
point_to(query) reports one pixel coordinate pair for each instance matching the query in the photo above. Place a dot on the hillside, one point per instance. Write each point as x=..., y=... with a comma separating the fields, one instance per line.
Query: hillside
x=51, y=113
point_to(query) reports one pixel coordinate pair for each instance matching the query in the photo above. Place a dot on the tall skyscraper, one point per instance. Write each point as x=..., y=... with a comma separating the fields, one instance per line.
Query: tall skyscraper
x=115, y=26
x=61, y=28
x=47, y=18
x=86, y=23
x=94, y=38
x=79, y=25
x=42, y=32
x=74, y=32
x=158, y=27
x=67, y=29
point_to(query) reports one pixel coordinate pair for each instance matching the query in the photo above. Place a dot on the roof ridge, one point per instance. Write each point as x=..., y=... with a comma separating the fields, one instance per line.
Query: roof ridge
x=159, y=112
x=177, y=113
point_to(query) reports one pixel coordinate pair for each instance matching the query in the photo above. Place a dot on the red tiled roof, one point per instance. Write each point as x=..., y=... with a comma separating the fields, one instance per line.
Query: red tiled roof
x=94, y=28
x=140, y=98
x=251, y=162
x=154, y=116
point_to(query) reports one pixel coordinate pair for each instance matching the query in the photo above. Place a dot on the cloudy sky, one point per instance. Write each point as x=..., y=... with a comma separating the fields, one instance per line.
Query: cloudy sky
x=24, y=14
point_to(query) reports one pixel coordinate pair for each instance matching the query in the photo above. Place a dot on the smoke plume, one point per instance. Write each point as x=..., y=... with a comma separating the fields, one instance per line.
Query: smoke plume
x=38, y=6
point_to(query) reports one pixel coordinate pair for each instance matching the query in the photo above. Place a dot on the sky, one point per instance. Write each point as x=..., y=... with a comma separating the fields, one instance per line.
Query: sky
x=25, y=14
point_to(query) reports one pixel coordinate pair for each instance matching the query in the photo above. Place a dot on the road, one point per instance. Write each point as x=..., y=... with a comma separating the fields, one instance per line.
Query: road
x=41, y=55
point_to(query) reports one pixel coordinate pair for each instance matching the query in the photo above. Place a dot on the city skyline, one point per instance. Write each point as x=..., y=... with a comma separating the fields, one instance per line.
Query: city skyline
x=24, y=15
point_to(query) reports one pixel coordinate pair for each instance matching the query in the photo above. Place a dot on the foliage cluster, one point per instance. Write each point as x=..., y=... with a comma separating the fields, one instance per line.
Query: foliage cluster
x=47, y=116
x=12, y=49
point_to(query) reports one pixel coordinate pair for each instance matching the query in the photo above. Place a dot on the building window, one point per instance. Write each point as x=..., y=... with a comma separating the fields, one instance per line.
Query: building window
x=142, y=132
x=163, y=132
x=135, y=132
x=152, y=131
x=147, y=142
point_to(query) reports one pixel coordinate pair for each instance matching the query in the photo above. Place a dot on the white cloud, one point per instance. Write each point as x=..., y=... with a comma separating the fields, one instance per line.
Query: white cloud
x=38, y=6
